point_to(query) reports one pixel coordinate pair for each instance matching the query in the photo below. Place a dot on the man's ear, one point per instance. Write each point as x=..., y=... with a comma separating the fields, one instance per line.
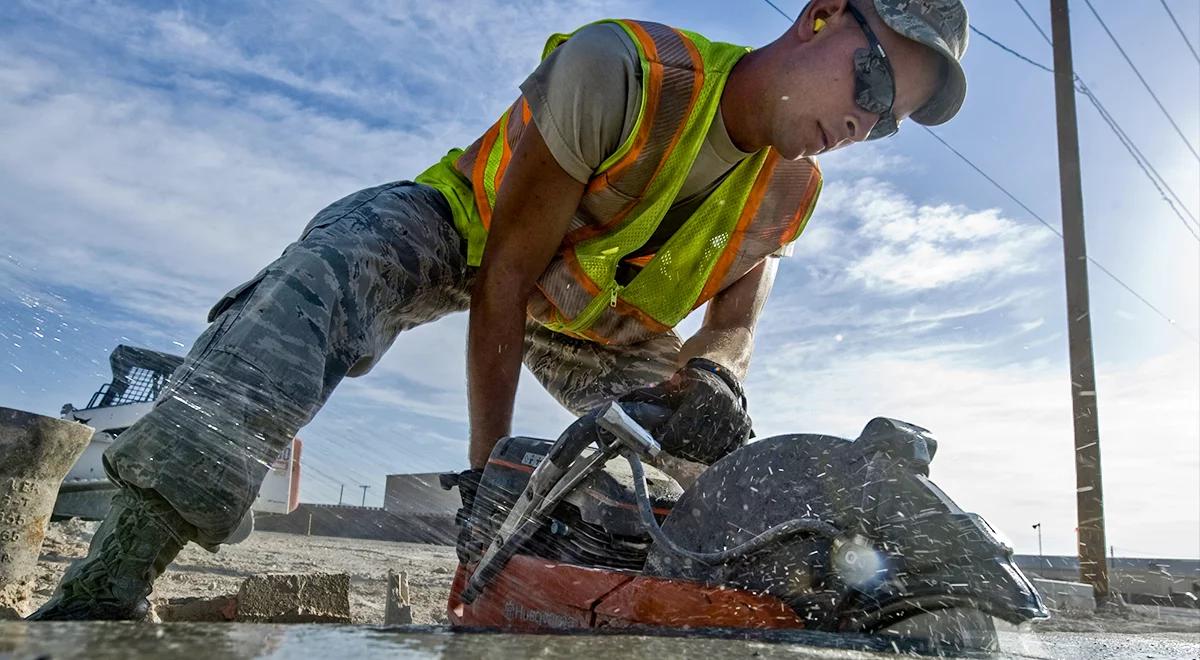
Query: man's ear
x=817, y=16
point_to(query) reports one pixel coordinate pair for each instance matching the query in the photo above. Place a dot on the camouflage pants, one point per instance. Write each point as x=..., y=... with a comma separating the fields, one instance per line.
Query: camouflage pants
x=369, y=266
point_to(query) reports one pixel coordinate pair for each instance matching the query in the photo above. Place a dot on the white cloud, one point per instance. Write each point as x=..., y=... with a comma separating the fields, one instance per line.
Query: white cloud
x=131, y=182
x=867, y=158
x=378, y=55
x=154, y=159
x=910, y=247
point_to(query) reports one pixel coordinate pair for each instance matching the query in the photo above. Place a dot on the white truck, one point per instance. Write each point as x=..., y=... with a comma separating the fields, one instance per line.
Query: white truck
x=139, y=375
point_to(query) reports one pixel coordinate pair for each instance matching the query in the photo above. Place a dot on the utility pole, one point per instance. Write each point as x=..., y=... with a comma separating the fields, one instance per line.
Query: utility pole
x=364, y=500
x=341, y=491
x=1089, y=493
x=1038, y=527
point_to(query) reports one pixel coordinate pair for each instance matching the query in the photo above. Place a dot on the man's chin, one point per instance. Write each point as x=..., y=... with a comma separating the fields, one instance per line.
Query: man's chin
x=797, y=149
x=795, y=154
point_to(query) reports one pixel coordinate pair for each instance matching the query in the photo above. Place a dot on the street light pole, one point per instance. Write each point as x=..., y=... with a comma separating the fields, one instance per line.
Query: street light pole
x=1038, y=527
x=364, y=499
x=341, y=491
x=1089, y=493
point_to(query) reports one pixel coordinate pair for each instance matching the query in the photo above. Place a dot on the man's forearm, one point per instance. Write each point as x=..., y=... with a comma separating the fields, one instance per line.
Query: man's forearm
x=495, y=340
x=728, y=347
x=727, y=336
x=533, y=209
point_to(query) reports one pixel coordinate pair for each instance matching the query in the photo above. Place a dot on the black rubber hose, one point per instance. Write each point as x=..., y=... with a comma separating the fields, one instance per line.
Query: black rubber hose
x=777, y=533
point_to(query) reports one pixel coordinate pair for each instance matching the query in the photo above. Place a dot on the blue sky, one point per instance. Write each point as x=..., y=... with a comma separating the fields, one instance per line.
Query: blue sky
x=156, y=154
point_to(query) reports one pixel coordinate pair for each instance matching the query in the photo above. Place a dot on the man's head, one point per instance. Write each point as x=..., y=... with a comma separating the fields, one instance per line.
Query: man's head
x=849, y=70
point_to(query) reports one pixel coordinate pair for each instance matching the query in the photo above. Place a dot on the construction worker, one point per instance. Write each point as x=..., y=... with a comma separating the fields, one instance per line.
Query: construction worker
x=643, y=171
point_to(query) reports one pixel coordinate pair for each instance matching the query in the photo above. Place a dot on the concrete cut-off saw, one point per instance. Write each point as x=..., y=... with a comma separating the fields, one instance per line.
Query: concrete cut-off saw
x=788, y=533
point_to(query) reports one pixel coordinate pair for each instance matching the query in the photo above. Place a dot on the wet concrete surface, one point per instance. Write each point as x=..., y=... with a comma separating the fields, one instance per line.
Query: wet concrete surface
x=219, y=641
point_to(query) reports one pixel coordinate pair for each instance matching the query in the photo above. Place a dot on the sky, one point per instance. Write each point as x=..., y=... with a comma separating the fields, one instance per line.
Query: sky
x=156, y=154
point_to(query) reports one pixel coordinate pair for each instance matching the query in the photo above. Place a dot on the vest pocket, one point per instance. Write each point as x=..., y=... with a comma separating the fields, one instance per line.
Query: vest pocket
x=599, y=205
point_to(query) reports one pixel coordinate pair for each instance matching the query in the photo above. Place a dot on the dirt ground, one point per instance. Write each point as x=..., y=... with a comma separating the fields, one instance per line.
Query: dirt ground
x=197, y=572
x=430, y=569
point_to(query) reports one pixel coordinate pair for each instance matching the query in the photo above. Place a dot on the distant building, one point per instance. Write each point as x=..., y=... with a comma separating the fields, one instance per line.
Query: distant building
x=419, y=501
x=1138, y=580
x=415, y=510
x=419, y=495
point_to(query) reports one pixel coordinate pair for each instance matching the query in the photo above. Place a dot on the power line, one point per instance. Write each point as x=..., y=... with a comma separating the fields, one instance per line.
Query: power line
x=1181, y=32
x=1010, y=51
x=1126, y=141
x=1141, y=78
x=1138, y=157
x=781, y=12
x=992, y=181
x=1046, y=37
x=1058, y=233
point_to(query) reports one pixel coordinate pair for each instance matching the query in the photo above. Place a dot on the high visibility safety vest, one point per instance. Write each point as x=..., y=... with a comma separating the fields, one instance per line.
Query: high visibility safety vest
x=760, y=206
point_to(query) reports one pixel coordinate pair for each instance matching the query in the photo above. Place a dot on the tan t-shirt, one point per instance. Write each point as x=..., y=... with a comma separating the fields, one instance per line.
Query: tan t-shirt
x=584, y=99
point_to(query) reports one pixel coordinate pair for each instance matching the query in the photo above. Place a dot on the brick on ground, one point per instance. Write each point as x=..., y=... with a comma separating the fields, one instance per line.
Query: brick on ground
x=308, y=598
x=218, y=608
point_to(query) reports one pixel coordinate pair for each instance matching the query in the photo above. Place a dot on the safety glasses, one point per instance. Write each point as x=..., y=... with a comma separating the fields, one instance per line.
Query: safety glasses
x=874, y=84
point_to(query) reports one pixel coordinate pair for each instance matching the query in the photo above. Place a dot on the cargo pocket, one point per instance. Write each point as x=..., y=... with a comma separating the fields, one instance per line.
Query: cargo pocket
x=234, y=294
x=321, y=222
x=349, y=206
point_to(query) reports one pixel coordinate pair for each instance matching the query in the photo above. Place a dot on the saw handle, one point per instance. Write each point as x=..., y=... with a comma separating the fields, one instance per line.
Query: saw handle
x=631, y=424
x=628, y=431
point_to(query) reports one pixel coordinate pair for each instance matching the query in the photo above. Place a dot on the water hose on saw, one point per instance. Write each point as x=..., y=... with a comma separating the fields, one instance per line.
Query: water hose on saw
x=774, y=534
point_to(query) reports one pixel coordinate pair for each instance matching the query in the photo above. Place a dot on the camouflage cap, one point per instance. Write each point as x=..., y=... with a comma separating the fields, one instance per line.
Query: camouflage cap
x=942, y=26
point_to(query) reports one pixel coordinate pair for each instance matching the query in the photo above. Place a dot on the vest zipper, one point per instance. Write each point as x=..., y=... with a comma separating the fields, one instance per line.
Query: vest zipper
x=595, y=309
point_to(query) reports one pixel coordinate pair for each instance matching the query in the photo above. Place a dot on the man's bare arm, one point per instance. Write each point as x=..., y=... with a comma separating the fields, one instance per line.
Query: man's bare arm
x=727, y=335
x=534, y=206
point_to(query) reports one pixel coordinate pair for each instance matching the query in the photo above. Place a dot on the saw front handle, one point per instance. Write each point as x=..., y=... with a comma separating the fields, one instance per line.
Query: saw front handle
x=628, y=432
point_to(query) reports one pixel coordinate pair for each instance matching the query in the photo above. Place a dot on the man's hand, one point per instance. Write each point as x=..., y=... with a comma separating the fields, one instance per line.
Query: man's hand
x=708, y=412
x=534, y=206
x=709, y=418
x=470, y=545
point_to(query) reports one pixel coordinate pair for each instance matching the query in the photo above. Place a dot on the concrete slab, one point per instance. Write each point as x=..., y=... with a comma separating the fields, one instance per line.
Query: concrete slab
x=104, y=641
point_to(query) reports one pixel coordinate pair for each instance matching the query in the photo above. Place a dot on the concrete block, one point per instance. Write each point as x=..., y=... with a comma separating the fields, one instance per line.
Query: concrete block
x=310, y=598
x=35, y=454
x=220, y=608
x=398, y=610
x=1061, y=595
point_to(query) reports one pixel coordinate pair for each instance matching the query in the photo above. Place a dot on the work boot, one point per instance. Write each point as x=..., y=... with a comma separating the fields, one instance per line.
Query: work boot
x=141, y=535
